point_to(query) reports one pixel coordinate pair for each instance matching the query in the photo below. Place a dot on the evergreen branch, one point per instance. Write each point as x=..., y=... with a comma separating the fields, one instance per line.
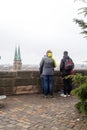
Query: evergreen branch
x=81, y=23
x=84, y=11
x=84, y=32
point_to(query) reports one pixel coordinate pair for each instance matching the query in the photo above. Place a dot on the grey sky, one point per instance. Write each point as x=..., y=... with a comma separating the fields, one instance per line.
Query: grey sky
x=39, y=25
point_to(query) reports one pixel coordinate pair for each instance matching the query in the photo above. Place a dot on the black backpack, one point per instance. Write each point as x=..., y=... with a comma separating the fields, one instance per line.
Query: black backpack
x=69, y=65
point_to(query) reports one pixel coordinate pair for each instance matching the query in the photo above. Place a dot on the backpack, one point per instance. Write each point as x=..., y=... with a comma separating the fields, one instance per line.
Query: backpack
x=69, y=65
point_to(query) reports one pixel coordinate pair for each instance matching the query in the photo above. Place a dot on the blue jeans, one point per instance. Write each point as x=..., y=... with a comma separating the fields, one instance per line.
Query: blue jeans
x=48, y=84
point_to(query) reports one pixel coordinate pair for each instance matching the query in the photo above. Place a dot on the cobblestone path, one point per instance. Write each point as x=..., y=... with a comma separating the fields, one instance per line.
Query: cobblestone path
x=34, y=112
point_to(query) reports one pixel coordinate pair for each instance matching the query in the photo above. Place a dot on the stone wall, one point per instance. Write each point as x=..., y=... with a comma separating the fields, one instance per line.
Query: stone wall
x=25, y=82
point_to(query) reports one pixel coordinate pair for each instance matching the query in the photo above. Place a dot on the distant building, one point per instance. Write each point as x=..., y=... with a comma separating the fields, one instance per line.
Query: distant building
x=17, y=65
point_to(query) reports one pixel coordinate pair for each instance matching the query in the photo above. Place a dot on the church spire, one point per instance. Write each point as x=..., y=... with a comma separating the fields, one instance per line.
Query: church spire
x=17, y=59
x=15, y=56
x=19, y=54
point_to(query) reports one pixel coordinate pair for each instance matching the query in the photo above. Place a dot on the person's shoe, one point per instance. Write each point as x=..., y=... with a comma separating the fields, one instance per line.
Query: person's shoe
x=64, y=95
x=68, y=95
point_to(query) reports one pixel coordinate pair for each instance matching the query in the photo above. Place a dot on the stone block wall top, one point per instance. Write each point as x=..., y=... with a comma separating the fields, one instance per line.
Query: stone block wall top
x=27, y=74
x=7, y=74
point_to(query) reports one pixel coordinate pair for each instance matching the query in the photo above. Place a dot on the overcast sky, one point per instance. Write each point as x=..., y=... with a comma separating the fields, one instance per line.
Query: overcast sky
x=39, y=25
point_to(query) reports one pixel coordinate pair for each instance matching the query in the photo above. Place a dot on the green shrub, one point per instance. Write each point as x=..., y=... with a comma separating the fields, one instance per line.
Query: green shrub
x=80, y=91
x=82, y=107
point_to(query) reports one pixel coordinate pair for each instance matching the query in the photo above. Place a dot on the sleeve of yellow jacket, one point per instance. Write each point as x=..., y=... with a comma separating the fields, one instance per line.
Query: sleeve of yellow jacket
x=55, y=65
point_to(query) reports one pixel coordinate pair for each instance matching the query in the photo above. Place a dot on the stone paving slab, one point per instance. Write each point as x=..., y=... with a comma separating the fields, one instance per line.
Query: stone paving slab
x=34, y=112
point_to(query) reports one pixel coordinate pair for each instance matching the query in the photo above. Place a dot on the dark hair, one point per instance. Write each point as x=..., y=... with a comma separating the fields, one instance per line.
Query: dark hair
x=65, y=52
x=49, y=51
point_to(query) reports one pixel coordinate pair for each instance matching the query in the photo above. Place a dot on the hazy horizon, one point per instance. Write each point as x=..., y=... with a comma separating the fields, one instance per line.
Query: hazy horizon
x=37, y=26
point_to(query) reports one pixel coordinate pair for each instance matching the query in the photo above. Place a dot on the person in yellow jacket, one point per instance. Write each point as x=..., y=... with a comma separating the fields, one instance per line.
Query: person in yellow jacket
x=47, y=66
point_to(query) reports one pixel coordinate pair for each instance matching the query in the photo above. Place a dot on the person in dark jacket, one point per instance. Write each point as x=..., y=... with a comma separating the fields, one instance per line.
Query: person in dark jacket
x=66, y=81
x=47, y=66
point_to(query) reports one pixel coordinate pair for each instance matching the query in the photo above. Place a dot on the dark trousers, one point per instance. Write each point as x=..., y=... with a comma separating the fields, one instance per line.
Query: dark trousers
x=67, y=86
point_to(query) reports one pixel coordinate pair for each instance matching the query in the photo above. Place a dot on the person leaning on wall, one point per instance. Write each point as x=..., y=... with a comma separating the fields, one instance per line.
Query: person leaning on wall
x=66, y=72
x=47, y=66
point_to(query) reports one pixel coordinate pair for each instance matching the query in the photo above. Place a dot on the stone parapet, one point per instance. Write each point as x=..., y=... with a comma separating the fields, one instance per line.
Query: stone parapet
x=25, y=82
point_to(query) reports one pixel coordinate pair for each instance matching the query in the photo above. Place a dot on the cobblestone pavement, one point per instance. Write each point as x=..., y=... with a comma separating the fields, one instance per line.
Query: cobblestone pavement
x=34, y=112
